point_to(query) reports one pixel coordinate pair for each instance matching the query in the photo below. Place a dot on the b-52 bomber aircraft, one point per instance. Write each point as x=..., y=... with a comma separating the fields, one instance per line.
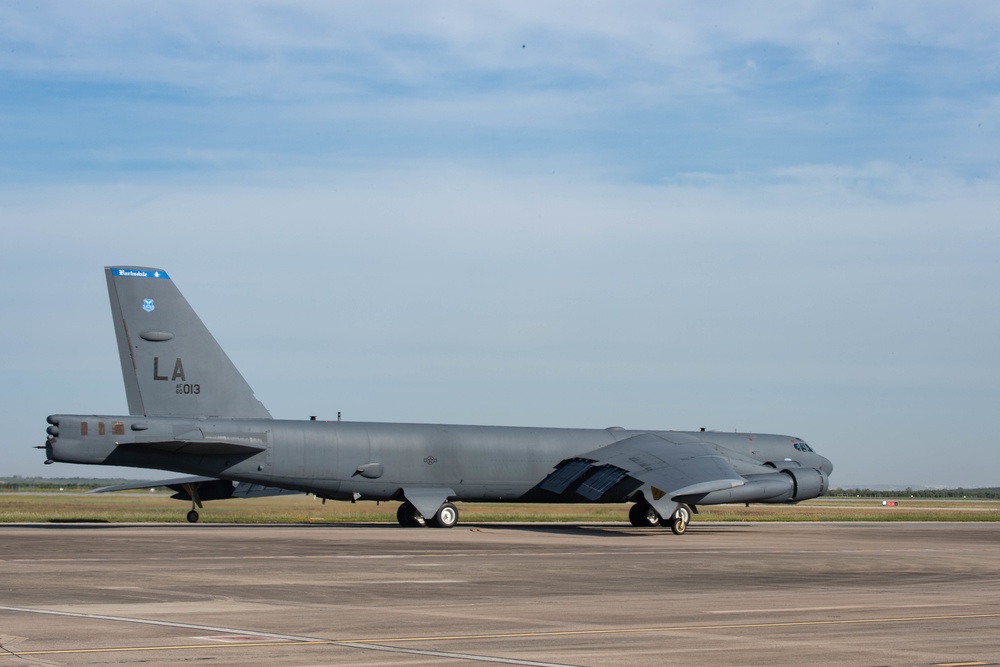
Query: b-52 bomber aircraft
x=191, y=412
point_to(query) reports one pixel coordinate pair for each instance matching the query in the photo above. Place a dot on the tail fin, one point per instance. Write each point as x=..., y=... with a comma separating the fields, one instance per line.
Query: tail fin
x=171, y=364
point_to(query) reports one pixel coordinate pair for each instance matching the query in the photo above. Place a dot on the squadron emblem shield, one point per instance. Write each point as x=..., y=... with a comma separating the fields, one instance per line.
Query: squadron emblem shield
x=148, y=306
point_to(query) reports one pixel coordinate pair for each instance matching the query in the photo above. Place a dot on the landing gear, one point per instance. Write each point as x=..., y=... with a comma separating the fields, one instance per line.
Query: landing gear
x=192, y=491
x=643, y=515
x=446, y=517
x=679, y=520
x=408, y=516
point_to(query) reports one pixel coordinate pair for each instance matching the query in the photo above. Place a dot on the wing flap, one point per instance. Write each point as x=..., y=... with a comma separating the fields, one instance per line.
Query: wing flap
x=566, y=473
x=601, y=481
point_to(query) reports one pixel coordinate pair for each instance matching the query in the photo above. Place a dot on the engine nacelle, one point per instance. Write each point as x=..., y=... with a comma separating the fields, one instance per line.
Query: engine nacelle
x=787, y=486
x=809, y=483
x=770, y=487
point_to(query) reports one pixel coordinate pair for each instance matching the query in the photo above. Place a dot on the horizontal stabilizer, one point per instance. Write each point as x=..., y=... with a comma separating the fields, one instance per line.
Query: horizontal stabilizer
x=196, y=447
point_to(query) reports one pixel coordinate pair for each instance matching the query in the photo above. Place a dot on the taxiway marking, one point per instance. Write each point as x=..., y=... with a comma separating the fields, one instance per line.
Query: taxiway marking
x=512, y=635
x=284, y=640
x=682, y=628
x=379, y=644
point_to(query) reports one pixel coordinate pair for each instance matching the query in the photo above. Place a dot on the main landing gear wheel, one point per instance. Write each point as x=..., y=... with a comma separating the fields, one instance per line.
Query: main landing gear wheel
x=643, y=515
x=408, y=517
x=680, y=519
x=446, y=517
x=192, y=490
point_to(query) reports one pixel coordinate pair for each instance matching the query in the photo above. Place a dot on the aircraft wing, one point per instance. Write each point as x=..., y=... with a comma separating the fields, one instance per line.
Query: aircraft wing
x=179, y=481
x=671, y=464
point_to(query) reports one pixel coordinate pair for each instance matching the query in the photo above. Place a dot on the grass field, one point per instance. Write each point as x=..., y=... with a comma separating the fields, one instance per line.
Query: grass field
x=126, y=507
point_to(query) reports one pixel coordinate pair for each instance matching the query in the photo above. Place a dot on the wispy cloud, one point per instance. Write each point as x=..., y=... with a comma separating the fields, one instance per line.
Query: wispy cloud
x=649, y=92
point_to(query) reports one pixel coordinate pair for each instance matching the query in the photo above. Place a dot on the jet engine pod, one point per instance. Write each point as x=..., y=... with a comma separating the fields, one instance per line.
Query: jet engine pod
x=809, y=483
x=774, y=487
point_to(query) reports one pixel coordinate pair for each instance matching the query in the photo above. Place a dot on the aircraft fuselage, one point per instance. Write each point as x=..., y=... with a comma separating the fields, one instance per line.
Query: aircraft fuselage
x=374, y=461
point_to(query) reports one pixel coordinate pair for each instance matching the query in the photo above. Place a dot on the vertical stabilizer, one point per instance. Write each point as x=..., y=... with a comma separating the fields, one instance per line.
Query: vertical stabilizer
x=171, y=364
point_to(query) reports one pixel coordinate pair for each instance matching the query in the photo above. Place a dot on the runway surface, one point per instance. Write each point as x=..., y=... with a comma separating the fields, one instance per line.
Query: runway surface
x=877, y=594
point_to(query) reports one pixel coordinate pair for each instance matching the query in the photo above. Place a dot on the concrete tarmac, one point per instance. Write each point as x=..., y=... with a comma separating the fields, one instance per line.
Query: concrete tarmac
x=875, y=594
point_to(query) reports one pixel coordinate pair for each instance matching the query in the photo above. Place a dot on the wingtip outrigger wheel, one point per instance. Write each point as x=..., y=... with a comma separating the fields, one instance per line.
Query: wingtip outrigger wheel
x=680, y=519
x=192, y=490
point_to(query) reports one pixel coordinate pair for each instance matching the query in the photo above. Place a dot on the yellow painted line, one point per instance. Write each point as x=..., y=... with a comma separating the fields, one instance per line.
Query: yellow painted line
x=960, y=664
x=675, y=628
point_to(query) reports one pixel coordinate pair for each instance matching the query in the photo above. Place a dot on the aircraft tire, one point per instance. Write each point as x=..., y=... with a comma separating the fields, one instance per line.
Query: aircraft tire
x=446, y=517
x=643, y=515
x=680, y=519
x=192, y=517
x=406, y=515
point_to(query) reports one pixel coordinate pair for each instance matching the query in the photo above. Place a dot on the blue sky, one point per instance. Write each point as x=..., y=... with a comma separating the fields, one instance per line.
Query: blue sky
x=778, y=218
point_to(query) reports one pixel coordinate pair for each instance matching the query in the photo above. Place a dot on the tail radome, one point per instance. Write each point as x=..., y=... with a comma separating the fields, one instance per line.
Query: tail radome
x=171, y=364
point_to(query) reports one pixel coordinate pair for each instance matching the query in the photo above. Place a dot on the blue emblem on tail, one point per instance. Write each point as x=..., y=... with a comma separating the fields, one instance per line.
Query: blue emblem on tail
x=148, y=306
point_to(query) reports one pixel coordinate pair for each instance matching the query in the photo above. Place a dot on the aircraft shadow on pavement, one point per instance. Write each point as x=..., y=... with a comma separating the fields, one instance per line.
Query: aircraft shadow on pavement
x=604, y=530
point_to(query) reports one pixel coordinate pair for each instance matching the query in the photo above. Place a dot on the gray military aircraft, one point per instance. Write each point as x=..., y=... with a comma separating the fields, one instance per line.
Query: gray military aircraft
x=191, y=412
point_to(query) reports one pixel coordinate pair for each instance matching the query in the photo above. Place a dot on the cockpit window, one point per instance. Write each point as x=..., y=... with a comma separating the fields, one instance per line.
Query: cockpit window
x=802, y=447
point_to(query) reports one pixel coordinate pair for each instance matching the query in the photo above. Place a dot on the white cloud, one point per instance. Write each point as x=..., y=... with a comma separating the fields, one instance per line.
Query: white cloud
x=270, y=49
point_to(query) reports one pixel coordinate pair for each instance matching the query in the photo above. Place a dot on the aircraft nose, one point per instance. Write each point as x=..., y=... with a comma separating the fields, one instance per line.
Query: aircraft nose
x=826, y=465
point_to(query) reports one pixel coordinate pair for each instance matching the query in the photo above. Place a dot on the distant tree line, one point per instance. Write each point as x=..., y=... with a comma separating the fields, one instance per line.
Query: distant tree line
x=987, y=493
